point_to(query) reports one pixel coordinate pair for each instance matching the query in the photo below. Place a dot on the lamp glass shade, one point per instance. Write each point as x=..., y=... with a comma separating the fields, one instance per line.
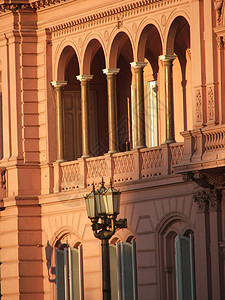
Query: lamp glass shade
x=112, y=201
x=90, y=205
x=100, y=204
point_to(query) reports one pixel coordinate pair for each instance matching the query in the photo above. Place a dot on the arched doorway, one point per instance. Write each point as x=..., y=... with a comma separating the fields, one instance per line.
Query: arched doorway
x=121, y=57
x=67, y=71
x=149, y=50
x=178, y=42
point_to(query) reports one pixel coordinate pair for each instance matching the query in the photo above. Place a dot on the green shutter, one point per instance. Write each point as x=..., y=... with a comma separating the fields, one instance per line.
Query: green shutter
x=59, y=269
x=113, y=272
x=127, y=271
x=184, y=268
x=192, y=266
x=134, y=269
x=75, y=273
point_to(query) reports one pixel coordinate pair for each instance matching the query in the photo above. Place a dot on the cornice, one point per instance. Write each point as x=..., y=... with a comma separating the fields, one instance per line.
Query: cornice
x=116, y=14
x=4, y=7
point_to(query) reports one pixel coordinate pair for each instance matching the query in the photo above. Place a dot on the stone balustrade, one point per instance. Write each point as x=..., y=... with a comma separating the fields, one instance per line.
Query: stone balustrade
x=204, y=145
x=133, y=165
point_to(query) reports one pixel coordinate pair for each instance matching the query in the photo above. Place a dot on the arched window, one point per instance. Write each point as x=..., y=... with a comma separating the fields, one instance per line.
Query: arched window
x=123, y=269
x=177, y=261
x=69, y=271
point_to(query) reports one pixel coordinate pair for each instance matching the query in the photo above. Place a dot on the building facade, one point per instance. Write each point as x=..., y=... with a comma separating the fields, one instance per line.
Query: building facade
x=133, y=92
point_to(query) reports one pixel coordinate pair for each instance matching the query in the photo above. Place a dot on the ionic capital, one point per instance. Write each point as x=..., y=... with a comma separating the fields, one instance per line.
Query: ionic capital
x=84, y=77
x=58, y=84
x=113, y=71
x=136, y=64
x=167, y=57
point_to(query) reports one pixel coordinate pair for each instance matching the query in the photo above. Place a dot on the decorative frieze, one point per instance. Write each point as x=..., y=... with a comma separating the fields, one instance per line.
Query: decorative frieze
x=116, y=15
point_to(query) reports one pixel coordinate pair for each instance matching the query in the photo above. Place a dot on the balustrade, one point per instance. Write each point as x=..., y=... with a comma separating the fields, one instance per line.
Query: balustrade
x=136, y=164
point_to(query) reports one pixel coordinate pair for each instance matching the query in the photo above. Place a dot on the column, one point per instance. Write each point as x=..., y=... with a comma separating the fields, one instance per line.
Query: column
x=169, y=109
x=58, y=85
x=85, y=79
x=140, y=109
x=112, y=109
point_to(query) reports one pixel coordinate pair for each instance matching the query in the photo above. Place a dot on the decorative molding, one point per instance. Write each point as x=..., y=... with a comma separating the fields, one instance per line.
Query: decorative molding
x=208, y=199
x=211, y=104
x=34, y=5
x=198, y=106
x=112, y=15
x=218, y=5
x=220, y=42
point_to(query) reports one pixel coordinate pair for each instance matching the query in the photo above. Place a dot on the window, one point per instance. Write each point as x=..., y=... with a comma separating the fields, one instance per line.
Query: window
x=184, y=257
x=176, y=258
x=123, y=271
x=69, y=273
x=151, y=114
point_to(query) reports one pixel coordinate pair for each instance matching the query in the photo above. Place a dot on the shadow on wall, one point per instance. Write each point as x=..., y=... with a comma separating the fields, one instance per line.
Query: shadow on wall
x=48, y=254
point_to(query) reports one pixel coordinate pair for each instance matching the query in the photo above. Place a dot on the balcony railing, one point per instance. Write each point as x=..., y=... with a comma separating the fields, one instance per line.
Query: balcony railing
x=120, y=167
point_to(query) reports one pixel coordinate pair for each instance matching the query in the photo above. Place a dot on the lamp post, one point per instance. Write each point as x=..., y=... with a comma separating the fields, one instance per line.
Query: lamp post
x=103, y=208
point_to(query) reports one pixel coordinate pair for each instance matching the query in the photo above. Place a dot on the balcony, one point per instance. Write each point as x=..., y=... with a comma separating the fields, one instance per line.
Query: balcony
x=120, y=167
x=203, y=159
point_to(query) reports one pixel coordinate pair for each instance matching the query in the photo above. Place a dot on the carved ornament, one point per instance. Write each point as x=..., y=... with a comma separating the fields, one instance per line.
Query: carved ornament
x=218, y=5
x=198, y=105
x=214, y=178
x=211, y=106
x=220, y=42
x=208, y=199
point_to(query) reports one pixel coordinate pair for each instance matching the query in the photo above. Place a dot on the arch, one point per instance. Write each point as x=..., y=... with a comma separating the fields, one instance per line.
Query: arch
x=65, y=234
x=149, y=36
x=178, y=42
x=121, y=41
x=171, y=218
x=122, y=235
x=65, y=57
x=171, y=226
x=177, y=28
x=60, y=56
x=91, y=47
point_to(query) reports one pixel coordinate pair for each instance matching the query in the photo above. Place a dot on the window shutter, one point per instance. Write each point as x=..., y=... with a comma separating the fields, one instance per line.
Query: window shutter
x=127, y=271
x=74, y=274
x=113, y=271
x=134, y=269
x=59, y=268
x=192, y=266
x=183, y=268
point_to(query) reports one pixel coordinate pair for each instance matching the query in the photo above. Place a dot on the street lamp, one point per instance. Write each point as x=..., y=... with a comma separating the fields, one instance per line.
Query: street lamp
x=102, y=209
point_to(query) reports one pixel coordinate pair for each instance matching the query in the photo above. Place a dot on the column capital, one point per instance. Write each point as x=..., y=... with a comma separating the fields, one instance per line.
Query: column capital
x=58, y=84
x=84, y=77
x=111, y=71
x=136, y=64
x=168, y=57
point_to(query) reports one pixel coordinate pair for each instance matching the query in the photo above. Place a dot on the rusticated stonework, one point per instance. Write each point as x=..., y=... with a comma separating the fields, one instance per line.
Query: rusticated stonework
x=211, y=105
x=198, y=105
x=208, y=199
